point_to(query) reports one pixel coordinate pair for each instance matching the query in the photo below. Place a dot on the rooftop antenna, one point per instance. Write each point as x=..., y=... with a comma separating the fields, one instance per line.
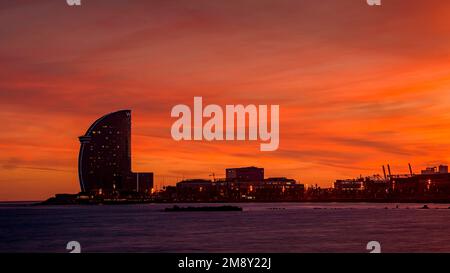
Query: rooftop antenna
x=213, y=176
x=389, y=170
x=137, y=182
x=410, y=169
x=384, y=172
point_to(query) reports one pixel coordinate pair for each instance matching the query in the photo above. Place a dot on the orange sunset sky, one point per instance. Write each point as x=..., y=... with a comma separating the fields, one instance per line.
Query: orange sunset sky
x=358, y=86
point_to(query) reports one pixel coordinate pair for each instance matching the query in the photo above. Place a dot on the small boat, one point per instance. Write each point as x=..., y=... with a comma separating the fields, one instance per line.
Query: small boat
x=211, y=208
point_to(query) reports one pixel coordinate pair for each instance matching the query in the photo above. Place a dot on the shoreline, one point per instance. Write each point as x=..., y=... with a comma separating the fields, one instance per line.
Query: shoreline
x=133, y=202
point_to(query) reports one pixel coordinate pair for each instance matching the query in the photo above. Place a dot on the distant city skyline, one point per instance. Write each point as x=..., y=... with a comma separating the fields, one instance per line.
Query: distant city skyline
x=358, y=87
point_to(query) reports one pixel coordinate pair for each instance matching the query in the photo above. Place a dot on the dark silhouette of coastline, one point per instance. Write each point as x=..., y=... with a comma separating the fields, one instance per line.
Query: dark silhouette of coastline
x=207, y=209
x=105, y=175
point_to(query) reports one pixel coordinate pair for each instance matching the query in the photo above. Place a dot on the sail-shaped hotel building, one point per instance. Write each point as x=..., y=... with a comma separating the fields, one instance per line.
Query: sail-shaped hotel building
x=104, y=162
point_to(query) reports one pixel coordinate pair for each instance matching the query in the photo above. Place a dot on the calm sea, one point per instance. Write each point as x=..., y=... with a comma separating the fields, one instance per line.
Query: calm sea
x=282, y=227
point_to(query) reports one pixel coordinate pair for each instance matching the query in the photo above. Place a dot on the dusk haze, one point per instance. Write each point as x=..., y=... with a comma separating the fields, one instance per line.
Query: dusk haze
x=358, y=86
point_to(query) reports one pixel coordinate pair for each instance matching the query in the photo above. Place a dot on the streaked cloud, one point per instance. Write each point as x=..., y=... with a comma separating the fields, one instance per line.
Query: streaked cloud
x=358, y=87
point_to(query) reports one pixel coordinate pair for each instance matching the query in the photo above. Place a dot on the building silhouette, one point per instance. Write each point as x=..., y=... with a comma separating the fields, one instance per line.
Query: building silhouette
x=240, y=185
x=245, y=174
x=104, y=162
